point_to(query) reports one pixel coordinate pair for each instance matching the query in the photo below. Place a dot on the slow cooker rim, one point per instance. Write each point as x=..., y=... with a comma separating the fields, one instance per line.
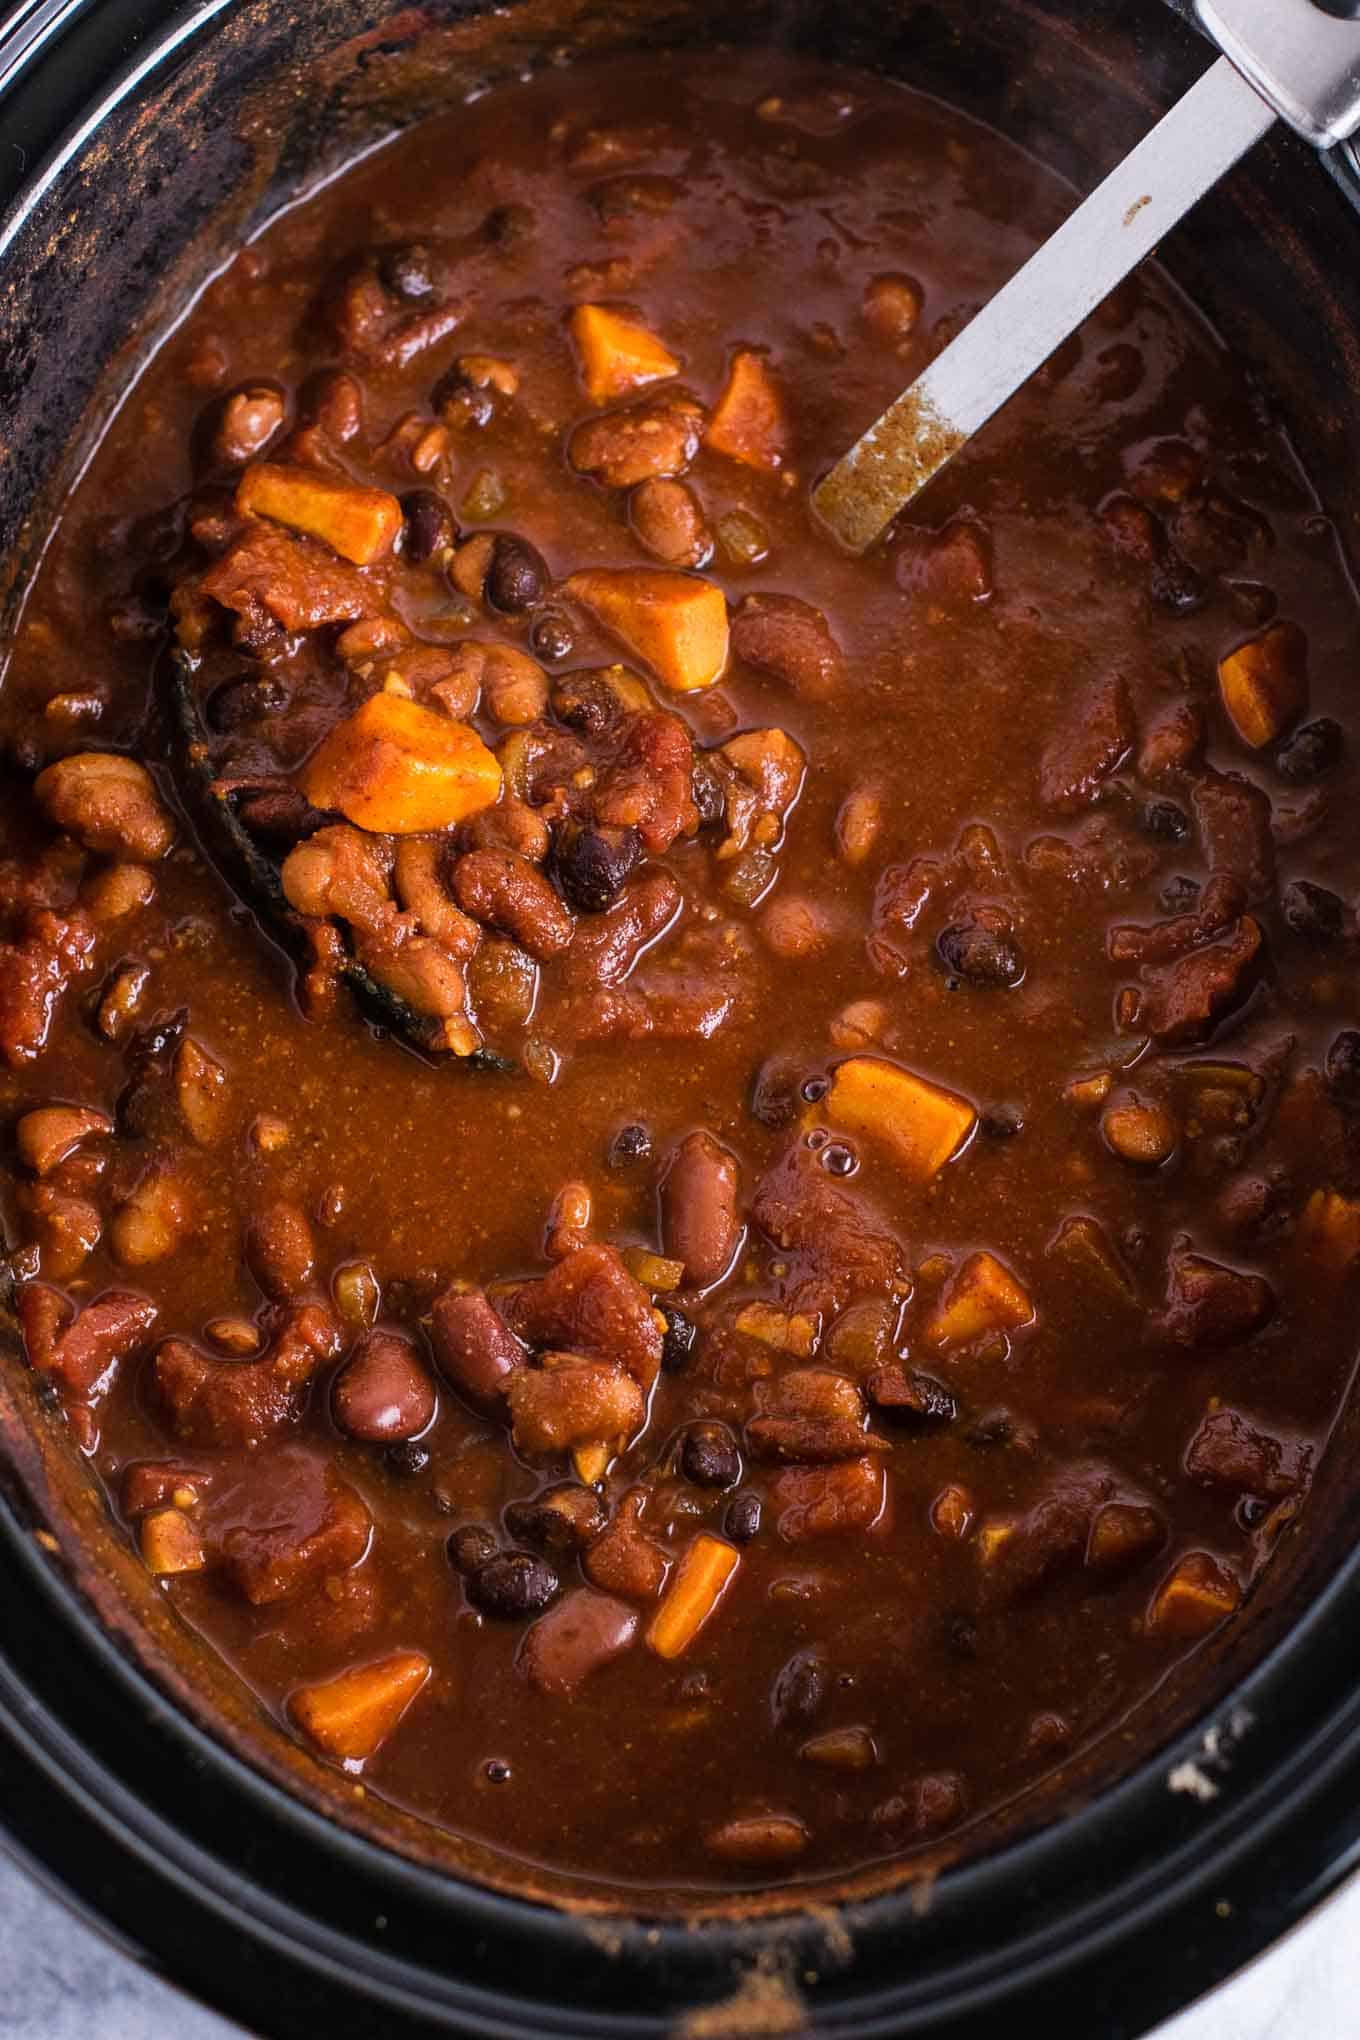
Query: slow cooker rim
x=1235, y=1831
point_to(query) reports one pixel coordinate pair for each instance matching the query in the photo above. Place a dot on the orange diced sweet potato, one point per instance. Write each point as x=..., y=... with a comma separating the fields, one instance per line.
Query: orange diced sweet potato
x=360, y=524
x=1264, y=683
x=983, y=1297
x=749, y=422
x=922, y=1124
x=693, y=1594
x=993, y=1536
x=1329, y=1231
x=400, y=769
x=676, y=622
x=617, y=354
x=1197, y=1594
x=171, y=1544
x=352, y=1715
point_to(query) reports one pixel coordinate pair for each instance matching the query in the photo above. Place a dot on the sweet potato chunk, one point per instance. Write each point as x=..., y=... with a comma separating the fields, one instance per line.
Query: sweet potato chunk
x=170, y=1543
x=1329, y=1231
x=351, y=1716
x=703, y=1576
x=984, y=1296
x=617, y=354
x=573, y=1401
x=922, y=1125
x=1264, y=684
x=677, y=623
x=749, y=421
x=400, y=769
x=360, y=524
x=1196, y=1595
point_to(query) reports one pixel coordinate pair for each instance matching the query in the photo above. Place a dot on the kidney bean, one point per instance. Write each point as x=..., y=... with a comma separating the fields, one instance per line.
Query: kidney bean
x=382, y=1393
x=698, y=1197
x=473, y=1345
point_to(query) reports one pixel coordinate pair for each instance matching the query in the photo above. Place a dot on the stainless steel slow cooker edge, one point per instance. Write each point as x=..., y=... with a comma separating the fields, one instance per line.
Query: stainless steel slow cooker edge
x=136, y=141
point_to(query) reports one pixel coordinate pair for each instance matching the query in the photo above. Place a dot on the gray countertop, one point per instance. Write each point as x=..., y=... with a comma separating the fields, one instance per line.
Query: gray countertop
x=60, y=1981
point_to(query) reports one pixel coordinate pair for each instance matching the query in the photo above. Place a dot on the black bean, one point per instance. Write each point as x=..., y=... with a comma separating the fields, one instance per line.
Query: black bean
x=561, y=1519
x=993, y=1427
x=839, y=1160
x=742, y=1520
x=496, y=1771
x=681, y=1335
x=470, y=1547
x=1251, y=1511
x=982, y=954
x=408, y=272
x=513, y=1584
x=1314, y=748
x=517, y=576
x=709, y=1456
x=1164, y=821
x=1313, y=912
x=244, y=700
x=708, y=791
x=630, y=1144
x=774, y=1094
x=406, y=1459
x=1342, y=1066
x=552, y=636
x=1178, y=895
x=506, y=225
x=1174, y=583
x=594, y=864
x=799, y=1690
x=1003, y=1122
x=429, y=524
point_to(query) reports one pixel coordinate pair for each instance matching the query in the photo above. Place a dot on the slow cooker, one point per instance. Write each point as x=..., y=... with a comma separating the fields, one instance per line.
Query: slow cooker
x=139, y=143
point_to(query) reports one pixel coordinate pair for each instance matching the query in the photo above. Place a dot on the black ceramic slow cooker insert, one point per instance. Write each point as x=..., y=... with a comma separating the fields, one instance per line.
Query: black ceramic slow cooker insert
x=139, y=142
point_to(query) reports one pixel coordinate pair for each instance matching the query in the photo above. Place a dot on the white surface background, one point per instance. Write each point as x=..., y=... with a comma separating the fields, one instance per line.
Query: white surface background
x=59, y=1981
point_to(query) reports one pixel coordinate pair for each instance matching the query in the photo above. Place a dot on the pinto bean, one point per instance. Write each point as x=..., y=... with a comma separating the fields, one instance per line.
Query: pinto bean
x=382, y=1393
x=503, y=889
x=281, y=1250
x=475, y=1348
x=668, y=522
x=109, y=804
x=699, y=1221
x=641, y=442
x=47, y=1135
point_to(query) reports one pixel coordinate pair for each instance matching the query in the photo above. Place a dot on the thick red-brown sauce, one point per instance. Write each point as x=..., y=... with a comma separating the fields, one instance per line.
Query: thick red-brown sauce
x=795, y=191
